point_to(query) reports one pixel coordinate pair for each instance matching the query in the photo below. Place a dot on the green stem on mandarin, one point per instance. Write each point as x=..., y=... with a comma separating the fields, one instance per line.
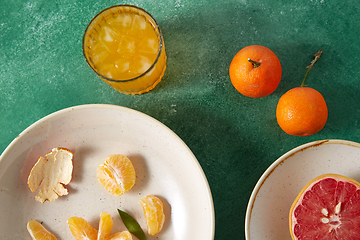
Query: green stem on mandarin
x=317, y=56
x=254, y=63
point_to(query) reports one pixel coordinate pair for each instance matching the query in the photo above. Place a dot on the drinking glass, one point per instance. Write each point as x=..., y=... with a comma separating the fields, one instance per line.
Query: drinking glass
x=124, y=46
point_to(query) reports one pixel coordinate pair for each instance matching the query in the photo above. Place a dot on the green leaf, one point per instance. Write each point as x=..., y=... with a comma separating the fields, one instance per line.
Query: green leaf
x=132, y=225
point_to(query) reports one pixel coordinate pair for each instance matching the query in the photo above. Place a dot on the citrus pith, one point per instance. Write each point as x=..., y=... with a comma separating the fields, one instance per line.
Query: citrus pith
x=326, y=208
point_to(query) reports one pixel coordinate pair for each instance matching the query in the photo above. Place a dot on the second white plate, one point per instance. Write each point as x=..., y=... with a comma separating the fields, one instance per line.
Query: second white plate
x=267, y=215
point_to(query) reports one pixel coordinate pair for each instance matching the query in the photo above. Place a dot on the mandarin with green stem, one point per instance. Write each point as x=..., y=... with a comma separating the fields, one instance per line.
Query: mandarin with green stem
x=302, y=111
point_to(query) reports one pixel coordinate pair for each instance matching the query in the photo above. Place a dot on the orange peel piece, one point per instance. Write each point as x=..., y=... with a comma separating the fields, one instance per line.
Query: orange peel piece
x=50, y=174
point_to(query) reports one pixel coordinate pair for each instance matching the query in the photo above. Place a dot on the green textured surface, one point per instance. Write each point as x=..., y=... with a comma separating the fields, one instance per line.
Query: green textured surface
x=235, y=138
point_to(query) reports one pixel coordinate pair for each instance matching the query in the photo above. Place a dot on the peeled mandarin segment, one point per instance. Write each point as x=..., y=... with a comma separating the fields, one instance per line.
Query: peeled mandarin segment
x=116, y=174
x=125, y=235
x=107, y=180
x=326, y=208
x=154, y=213
x=105, y=226
x=81, y=229
x=38, y=231
x=50, y=174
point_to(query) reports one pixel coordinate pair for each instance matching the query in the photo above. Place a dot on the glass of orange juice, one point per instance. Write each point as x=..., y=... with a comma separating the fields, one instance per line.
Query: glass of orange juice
x=124, y=46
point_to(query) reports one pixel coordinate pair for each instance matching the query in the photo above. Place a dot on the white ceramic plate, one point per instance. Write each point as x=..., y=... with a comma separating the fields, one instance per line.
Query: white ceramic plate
x=164, y=166
x=267, y=215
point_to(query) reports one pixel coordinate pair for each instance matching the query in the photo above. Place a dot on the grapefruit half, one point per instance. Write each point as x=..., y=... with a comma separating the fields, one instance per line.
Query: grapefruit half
x=328, y=207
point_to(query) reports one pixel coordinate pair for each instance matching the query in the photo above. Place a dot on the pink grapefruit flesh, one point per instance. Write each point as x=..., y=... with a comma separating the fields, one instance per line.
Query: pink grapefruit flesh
x=328, y=207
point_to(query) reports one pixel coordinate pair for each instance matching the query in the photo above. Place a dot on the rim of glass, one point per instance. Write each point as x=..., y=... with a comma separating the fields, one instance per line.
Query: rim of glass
x=156, y=26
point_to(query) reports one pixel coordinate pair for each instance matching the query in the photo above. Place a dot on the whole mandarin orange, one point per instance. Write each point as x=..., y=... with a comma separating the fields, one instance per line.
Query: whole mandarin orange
x=302, y=111
x=255, y=71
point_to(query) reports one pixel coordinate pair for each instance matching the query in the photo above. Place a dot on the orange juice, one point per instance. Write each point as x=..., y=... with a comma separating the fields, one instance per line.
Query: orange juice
x=124, y=46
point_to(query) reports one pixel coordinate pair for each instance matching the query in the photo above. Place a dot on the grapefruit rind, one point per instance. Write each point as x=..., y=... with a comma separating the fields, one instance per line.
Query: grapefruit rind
x=307, y=187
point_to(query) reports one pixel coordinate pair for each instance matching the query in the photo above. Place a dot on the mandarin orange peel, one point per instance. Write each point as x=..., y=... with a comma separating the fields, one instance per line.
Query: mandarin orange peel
x=50, y=174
